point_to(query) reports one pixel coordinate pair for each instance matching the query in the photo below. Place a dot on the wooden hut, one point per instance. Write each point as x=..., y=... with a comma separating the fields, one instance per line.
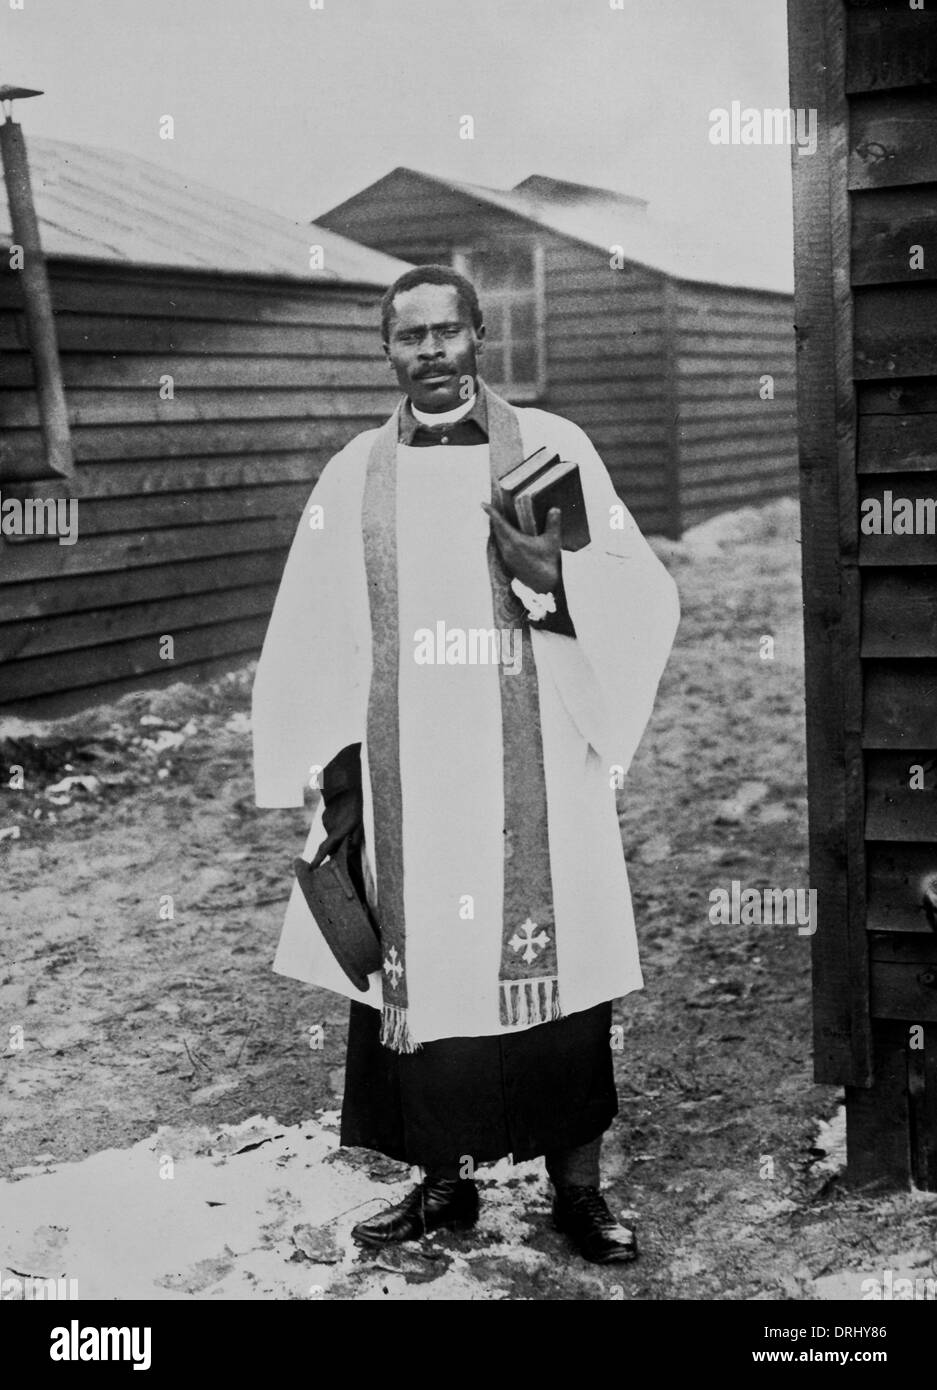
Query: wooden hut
x=866, y=269
x=214, y=356
x=657, y=344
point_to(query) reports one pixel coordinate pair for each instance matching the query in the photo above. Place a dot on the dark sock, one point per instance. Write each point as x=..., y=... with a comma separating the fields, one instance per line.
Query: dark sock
x=578, y=1167
x=447, y=1171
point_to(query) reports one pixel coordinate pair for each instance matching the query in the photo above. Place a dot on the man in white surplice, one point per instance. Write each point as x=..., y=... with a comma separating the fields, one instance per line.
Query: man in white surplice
x=459, y=1082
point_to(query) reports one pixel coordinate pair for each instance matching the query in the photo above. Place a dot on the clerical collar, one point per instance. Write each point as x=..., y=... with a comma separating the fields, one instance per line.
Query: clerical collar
x=470, y=428
x=445, y=417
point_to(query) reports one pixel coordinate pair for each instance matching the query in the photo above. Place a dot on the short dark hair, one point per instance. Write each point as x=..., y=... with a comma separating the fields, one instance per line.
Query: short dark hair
x=431, y=275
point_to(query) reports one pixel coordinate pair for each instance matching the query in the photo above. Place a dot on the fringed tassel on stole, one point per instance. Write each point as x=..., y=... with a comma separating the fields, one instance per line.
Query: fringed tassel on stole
x=395, y=1030
x=530, y=1001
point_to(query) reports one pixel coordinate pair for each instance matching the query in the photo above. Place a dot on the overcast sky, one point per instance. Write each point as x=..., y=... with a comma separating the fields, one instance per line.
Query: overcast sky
x=295, y=108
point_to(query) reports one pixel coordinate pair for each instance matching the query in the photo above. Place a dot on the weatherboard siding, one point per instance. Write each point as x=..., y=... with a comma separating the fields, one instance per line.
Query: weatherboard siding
x=889, y=175
x=426, y=219
x=607, y=369
x=186, y=506
x=868, y=357
x=735, y=447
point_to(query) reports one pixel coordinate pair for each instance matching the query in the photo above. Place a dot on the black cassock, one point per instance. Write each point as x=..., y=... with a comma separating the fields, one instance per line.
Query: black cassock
x=524, y=1094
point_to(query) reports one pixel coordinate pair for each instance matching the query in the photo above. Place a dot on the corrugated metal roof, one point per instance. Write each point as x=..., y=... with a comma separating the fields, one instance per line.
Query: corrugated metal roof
x=103, y=205
x=602, y=218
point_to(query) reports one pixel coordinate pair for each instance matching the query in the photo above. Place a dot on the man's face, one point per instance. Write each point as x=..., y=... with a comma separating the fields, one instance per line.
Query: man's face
x=433, y=347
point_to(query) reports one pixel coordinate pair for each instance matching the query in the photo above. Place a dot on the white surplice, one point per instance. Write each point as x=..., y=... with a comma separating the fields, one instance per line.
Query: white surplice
x=596, y=695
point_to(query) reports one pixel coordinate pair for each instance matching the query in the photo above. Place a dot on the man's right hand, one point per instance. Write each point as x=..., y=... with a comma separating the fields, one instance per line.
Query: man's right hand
x=343, y=819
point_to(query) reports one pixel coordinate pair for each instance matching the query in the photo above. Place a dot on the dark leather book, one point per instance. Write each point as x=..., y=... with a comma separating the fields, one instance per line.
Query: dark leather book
x=542, y=481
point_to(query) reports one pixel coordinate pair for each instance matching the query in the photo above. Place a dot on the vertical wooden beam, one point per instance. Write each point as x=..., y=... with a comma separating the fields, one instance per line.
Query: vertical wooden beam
x=922, y=1104
x=878, y=1151
x=671, y=397
x=37, y=303
x=826, y=425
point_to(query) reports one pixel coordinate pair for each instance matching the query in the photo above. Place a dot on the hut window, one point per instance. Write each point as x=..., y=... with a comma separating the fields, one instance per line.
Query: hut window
x=509, y=280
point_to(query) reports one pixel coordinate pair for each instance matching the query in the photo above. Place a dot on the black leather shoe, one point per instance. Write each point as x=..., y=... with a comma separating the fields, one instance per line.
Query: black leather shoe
x=437, y=1202
x=582, y=1213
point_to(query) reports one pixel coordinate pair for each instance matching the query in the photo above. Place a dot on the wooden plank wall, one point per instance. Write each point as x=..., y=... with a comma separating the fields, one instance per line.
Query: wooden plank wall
x=186, y=506
x=891, y=69
x=420, y=220
x=607, y=370
x=880, y=57
x=735, y=447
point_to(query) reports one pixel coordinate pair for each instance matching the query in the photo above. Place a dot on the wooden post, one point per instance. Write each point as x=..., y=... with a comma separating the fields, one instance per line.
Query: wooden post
x=878, y=1148
x=826, y=426
x=37, y=303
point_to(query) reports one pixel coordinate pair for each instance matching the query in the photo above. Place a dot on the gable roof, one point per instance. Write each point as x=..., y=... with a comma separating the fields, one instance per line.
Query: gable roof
x=103, y=205
x=545, y=187
x=602, y=218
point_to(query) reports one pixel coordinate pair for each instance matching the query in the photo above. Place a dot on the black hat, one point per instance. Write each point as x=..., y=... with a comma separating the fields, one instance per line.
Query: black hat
x=341, y=915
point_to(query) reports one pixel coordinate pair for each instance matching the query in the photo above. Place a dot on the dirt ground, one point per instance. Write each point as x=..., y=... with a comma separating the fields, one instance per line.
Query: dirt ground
x=137, y=1025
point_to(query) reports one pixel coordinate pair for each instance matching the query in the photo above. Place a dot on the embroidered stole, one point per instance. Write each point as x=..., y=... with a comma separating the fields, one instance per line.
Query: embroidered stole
x=528, y=985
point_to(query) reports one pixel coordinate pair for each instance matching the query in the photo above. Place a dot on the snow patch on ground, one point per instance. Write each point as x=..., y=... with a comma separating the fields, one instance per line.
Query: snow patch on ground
x=907, y=1276
x=831, y=1143
x=254, y=1210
